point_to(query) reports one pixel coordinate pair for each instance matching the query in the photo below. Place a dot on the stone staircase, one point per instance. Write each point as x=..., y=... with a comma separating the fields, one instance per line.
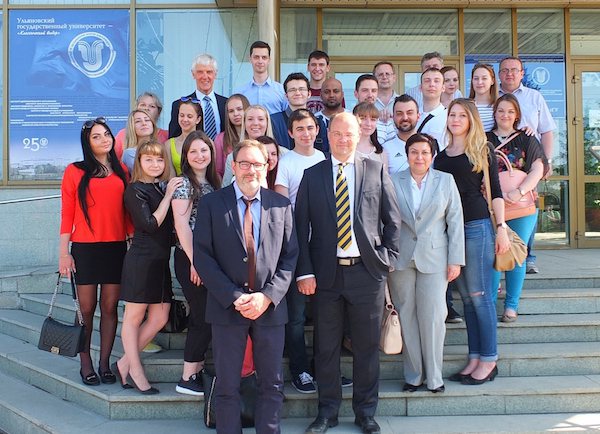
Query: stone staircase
x=549, y=365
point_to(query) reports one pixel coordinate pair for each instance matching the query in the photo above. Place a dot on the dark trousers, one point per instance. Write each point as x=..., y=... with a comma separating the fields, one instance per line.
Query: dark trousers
x=356, y=292
x=199, y=334
x=294, y=331
x=229, y=345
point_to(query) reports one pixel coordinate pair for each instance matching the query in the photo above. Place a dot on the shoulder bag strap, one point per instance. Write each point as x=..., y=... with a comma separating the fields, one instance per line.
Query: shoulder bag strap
x=488, y=191
x=75, y=299
x=427, y=119
x=507, y=140
x=53, y=300
x=388, y=297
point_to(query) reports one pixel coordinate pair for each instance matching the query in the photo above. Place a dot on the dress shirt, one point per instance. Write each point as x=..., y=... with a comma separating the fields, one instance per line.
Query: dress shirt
x=417, y=193
x=534, y=109
x=213, y=102
x=386, y=130
x=349, y=173
x=254, y=210
x=397, y=160
x=270, y=95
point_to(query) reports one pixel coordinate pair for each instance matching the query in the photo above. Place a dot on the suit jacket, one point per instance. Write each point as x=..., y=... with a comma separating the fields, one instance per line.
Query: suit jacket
x=376, y=221
x=175, y=129
x=279, y=123
x=436, y=236
x=221, y=261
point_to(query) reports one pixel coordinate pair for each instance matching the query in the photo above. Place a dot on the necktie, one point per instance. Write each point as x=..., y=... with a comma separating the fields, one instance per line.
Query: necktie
x=342, y=208
x=249, y=239
x=210, y=126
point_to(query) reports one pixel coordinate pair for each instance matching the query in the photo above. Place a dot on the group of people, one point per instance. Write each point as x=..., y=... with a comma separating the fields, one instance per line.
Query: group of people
x=280, y=194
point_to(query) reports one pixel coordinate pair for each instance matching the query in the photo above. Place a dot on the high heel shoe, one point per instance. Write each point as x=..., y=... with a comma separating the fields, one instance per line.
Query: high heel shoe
x=106, y=377
x=150, y=391
x=473, y=381
x=90, y=379
x=115, y=369
x=458, y=377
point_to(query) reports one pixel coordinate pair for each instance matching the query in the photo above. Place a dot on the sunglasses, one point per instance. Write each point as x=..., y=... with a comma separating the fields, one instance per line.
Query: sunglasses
x=190, y=99
x=92, y=122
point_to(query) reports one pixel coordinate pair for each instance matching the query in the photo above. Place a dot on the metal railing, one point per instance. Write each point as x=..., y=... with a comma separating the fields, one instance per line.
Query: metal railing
x=29, y=199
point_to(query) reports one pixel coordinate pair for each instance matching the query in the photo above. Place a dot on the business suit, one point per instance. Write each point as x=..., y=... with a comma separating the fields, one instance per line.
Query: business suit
x=221, y=261
x=357, y=288
x=175, y=129
x=431, y=239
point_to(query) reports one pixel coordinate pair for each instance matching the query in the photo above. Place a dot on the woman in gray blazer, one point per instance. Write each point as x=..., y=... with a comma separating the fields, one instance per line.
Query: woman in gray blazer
x=431, y=253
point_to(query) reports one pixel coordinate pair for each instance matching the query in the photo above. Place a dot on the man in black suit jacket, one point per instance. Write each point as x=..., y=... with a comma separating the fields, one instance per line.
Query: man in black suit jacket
x=350, y=277
x=235, y=307
x=204, y=71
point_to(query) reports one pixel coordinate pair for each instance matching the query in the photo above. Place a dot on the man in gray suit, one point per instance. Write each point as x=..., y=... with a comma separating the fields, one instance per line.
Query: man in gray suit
x=245, y=251
x=348, y=225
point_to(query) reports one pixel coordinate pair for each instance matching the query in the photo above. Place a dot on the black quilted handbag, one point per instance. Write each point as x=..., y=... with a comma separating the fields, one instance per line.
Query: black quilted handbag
x=178, y=318
x=64, y=339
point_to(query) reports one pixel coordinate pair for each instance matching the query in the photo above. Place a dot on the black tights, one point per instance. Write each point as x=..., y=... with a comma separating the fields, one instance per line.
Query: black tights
x=109, y=297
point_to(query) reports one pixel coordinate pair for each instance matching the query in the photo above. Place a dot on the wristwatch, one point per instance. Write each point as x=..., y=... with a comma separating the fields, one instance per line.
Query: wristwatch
x=501, y=225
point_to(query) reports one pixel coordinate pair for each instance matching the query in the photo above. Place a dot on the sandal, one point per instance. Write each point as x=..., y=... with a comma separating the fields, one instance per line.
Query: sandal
x=107, y=377
x=90, y=379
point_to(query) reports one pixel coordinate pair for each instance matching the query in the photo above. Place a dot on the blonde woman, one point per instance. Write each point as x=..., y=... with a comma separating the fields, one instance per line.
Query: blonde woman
x=235, y=106
x=140, y=128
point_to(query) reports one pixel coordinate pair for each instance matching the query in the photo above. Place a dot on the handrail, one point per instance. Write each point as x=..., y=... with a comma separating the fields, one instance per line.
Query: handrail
x=29, y=199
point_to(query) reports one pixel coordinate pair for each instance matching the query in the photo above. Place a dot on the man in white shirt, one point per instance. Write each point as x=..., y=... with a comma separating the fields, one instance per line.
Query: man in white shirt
x=386, y=78
x=429, y=60
x=433, y=113
x=405, y=118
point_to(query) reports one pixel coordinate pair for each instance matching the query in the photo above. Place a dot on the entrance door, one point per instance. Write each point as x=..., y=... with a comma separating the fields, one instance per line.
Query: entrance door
x=587, y=152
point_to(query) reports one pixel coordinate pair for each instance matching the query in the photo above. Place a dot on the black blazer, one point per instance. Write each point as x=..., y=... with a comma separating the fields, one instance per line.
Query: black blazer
x=376, y=221
x=220, y=255
x=175, y=129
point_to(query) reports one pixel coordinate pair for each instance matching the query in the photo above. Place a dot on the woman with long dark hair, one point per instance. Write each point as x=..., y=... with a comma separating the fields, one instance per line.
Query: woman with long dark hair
x=94, y=222
x=235, y=107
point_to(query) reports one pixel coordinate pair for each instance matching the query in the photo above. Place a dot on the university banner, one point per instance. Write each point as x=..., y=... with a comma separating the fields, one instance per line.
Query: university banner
x=65, y=67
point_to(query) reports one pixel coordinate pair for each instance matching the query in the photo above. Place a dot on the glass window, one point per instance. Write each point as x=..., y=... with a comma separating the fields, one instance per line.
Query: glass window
x=165, y=50
x=553, y=212
x=541, y=31
x=487, y=31
x=352, y=32
x=298, y=39
x=585, y=32
x=68, y=2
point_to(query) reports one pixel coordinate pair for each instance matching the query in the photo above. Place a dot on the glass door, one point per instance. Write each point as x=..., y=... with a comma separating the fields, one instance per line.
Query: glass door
x=587, y=125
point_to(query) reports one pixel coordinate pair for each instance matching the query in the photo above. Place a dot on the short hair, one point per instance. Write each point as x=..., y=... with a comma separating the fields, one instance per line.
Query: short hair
x=511, y=58
x=405, y=98
x=431, y=70
x=364, y=77
x=249, y=143
x=432, y=55
x=260, y=44
x=384, y=62
x=448, y=68
x=318, y=54
x=296, y=76
x=298, y=115
x=421, y=138
x=150, y=147
x=152, y=95
x=205, y=60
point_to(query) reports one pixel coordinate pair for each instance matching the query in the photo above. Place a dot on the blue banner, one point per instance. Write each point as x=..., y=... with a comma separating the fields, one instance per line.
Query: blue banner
x=65, y=67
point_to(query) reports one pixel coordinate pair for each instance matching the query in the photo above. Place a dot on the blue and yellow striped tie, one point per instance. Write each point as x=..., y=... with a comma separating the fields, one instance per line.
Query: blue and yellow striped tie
x=342, y=207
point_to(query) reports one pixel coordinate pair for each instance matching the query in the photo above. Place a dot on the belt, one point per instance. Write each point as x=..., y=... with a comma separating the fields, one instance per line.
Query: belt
x=348, y=262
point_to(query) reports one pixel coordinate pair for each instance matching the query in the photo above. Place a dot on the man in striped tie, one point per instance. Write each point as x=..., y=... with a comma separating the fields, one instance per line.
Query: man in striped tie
x=348, y=226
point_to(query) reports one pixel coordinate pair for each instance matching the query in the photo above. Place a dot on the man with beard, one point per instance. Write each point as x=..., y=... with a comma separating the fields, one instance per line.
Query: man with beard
x=406, y=116
x=332, y=95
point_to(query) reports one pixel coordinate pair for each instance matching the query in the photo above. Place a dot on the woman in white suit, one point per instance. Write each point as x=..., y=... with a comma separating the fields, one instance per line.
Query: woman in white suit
x=431, y=254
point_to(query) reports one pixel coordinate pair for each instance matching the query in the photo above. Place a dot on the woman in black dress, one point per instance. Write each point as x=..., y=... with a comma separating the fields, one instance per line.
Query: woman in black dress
x=146, y=279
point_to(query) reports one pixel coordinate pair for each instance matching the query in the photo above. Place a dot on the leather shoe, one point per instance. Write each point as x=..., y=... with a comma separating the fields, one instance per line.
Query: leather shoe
x=457, y=377
x=410, y=387
x=440, y=389
x=368, y=425
x=321, y=424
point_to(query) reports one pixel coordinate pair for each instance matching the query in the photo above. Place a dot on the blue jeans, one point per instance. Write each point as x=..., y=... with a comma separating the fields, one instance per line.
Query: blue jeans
x=294, y=331
x=530, y=255
x=475, y=287
x=524, y=227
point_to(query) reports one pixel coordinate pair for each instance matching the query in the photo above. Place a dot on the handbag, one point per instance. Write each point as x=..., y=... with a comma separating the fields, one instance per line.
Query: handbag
x=390, y=341
x=178, y=317
x=517, y=253
x=64, y=339
x=248, y=394
x=510, y=180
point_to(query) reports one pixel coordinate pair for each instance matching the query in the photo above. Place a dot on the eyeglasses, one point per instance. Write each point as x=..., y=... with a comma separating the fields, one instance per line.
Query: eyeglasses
x=511, y=70
x=297, y=89
x=92, y=122
x=337, y=135
x=189, y=99
x=385, y=74
x=245, y=165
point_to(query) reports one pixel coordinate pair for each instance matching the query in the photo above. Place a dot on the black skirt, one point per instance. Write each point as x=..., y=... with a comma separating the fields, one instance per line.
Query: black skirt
x=98, y=263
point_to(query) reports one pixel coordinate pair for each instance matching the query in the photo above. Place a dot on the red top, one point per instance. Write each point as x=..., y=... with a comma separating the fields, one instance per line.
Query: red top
x=107, y=212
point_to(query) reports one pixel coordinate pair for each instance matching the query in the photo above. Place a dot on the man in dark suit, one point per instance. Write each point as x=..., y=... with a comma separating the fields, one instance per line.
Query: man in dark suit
x=204, y=71
x=348, y=225
x=245, y=251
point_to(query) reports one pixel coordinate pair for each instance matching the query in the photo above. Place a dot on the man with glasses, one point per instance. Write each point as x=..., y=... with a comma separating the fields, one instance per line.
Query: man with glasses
x=386, y=78
x=348, y=224
x=536, y=116
x=297, y=91
x=245, y=249
x=204, y=72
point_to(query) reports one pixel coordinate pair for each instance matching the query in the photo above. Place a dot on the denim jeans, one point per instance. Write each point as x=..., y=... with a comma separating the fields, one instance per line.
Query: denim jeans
x=475, y=287
x=294, y=331
x=524, y=227
x=530, y=255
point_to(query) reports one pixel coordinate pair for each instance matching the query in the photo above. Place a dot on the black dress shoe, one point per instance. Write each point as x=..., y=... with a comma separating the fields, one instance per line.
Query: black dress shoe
x=368, y=425
x=410, y=387
x=474, y=382
x=115, y=369
x=321, y=424
x=106, y=377
x=458, y=377
x=90, y=379
x=440, y=389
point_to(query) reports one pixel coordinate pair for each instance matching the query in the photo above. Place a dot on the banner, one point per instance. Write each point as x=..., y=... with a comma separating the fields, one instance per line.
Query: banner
x=65, y=67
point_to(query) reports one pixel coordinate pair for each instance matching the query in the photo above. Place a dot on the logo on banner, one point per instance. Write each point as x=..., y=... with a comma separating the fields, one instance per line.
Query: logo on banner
x=92, y=53
x=540, y=76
